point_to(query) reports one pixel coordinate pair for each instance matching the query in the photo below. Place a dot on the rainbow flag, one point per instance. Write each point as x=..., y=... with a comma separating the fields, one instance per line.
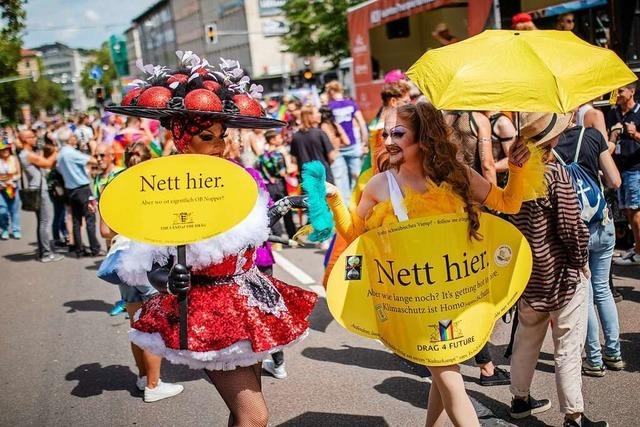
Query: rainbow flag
x=445, y=327
x=156, y=148
x=10, y=191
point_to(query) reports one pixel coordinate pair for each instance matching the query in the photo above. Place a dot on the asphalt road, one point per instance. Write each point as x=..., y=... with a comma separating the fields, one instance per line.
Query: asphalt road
x=66, y=362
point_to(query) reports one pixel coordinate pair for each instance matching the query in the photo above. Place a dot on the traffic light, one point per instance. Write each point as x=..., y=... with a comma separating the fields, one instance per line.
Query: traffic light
x=211, y=33
x=307, y=74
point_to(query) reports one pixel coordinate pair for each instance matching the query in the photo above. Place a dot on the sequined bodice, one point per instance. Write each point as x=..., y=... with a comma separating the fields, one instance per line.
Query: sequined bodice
x=231, y=265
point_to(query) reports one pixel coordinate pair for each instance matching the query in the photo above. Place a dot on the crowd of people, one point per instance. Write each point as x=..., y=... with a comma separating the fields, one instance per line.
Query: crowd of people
x=70, y=160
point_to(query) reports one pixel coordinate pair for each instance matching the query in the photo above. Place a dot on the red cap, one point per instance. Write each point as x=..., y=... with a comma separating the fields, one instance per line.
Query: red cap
x=519, y=18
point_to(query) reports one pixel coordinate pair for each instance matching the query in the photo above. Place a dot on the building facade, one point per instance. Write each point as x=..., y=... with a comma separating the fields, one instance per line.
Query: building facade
x=249, y=31
x=28, y=65
x=154, y=33
x=62, y=64
x=134, y=48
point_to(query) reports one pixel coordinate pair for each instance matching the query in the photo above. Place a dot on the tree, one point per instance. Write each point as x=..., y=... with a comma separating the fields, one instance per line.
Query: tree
x=12, y=17
x=102, y=60
x=42, y=94
x=318, y=28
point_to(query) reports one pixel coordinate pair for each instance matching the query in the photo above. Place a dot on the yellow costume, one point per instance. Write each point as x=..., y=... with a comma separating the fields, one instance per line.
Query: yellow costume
x=438, y=199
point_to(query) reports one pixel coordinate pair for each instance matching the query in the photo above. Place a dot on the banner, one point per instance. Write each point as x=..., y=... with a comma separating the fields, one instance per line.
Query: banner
x=178, y=200
x=426, y=290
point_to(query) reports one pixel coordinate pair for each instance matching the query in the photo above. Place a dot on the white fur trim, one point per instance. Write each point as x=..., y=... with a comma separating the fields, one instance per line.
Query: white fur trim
x=252, y=231
x=237, y=355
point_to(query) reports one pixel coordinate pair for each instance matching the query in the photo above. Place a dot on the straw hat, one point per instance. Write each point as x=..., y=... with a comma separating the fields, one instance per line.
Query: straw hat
x=539, y=128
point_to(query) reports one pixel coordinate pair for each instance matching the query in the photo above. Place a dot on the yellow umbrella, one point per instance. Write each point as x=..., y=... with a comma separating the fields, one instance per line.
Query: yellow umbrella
x=536, y=71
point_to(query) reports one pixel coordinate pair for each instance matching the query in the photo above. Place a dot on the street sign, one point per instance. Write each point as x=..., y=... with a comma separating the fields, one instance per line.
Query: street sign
x=211, y=33
x=96, y=73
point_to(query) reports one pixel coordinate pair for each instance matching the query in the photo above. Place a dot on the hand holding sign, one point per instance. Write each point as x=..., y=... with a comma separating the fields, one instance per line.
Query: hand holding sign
x=179, y=280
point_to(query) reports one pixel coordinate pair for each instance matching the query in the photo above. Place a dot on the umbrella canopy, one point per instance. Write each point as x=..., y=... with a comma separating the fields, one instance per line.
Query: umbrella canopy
x=535, y=71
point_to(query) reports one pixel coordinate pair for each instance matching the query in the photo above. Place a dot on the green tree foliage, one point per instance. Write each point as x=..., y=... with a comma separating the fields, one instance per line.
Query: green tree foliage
x=102, y=59
x=12, y=17
x=42, y=94
x=318, y=28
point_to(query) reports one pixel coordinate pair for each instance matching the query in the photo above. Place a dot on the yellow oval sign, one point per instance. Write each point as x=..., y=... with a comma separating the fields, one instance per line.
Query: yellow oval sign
x=178, y=200
x=425, y=290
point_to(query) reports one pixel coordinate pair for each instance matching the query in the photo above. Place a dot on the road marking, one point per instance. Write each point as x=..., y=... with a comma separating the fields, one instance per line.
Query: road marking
x=293, y=270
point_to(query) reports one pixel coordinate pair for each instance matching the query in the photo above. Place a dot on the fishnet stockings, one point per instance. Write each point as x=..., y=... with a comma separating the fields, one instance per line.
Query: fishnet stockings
x=241, y=390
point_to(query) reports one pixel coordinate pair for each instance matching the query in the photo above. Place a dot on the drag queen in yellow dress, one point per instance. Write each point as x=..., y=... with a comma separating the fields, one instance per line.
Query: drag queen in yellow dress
x=422, y=178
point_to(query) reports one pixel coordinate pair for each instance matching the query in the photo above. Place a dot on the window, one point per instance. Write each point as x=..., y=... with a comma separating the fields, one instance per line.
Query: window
x=169, y=36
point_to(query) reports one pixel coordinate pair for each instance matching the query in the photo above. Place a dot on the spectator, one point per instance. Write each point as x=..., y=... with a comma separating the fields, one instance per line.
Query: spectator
x=107, y=170
x=442, y=35
x=60, y=198
x=522, y=22
x=473, y=131
x=339, y=139
x=84, y=134
x=623, y=122
x=132, y=133
x=274, y=165
x=9, y=196
x=349, y=116
x=252, y=145
x=108, y=128
x=591, y=117
x=311, y=143
x=566, y=22
x=34, y=166
x=148, y=364
x=72, y=165
x=557, y=290
x=503, y=135
x=588, y=148
x=479, y=139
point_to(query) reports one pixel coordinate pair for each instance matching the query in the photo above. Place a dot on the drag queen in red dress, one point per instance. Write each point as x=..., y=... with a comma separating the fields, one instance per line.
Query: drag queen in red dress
x=237, y=316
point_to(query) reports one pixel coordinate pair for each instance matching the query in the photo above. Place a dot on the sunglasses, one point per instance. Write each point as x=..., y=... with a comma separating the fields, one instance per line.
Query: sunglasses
x=395, y=133
x=100, y=156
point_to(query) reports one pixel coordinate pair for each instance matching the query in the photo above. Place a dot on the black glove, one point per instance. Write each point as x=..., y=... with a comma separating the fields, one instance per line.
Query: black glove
x=284, y=205
x=158, y=277
x=179, y=280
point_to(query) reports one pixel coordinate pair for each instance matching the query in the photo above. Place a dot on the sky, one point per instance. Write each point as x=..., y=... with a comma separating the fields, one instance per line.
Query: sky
x=79, y=23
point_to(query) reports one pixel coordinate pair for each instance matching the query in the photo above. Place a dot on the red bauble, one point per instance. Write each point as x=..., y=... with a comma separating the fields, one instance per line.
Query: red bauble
x=180, y=78
x=155, y=97
x=247, y=105
x=202, y=100
x=130, y=96
x=211, y=85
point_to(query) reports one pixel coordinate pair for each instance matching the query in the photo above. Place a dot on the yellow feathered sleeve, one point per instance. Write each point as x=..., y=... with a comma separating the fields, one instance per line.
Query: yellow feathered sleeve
x=525, y=183
x=348, y=224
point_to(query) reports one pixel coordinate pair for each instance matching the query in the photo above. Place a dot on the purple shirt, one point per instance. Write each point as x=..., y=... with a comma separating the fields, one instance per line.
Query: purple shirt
x=344, y=112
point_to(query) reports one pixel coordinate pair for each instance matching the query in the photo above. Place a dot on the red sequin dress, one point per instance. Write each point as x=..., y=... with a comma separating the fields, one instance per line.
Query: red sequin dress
x=237, y=316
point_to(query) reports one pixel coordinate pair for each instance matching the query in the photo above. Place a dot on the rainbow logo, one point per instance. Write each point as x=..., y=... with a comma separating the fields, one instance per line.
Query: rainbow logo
x=445, y=328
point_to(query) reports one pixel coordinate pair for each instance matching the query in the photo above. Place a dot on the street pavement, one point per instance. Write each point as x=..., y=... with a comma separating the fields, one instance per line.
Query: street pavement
x=66, y=362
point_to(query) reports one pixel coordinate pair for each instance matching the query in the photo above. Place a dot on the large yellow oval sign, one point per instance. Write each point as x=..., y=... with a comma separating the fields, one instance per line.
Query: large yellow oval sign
x=178, y=200
x=427, y=291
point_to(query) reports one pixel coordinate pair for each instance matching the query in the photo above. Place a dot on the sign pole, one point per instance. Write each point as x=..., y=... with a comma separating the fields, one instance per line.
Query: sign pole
x=183, y=301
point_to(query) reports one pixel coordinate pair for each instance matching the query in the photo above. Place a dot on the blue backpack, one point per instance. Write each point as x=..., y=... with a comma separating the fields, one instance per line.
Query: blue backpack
x=593, y=206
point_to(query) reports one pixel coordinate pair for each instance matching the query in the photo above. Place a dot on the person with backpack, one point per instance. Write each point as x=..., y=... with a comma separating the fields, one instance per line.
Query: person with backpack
x=585, y=154
x=556, y=295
